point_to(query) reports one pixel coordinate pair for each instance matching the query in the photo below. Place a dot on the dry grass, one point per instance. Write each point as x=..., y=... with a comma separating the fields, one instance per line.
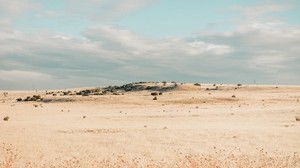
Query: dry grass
x=186, y=127
x=9, y=158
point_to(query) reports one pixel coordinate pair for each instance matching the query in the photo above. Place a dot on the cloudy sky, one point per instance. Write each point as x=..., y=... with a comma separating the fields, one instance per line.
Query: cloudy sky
x=46, y=44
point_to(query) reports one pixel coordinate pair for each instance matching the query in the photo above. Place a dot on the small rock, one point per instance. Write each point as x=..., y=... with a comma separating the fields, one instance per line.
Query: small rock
x=84, y=117
x=233, y=96
x=155, y=98
x=297, y=118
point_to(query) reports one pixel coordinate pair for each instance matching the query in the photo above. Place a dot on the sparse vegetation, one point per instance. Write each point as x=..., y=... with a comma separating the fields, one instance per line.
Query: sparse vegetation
x=5, y=94
x=154, y=94
x=6, y=118
x=10, y=158
x=133, y=131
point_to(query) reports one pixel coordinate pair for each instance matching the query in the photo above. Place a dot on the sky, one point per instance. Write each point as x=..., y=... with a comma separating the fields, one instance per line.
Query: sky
x=62, y=44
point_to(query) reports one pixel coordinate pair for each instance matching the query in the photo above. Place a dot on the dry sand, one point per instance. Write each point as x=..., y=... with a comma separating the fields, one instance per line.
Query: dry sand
x=186, y=127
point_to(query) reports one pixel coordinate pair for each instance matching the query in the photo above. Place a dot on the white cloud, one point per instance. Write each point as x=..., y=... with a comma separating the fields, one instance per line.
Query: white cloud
x=253, y=12
x=126, y=41
x=263, y=48
x=108, y=53
x=259, y=48
x=99, y=10
x=17, y=76
x=16, y=6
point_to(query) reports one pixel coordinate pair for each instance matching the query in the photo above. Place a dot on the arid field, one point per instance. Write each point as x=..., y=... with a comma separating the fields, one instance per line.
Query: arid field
x=187, y=126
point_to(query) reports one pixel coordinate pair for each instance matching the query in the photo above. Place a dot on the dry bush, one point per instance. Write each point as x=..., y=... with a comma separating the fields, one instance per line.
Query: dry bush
x=6, y=118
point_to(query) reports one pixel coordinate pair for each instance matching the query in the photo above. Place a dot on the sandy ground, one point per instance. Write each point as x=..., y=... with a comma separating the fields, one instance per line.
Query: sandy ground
x=186, y=127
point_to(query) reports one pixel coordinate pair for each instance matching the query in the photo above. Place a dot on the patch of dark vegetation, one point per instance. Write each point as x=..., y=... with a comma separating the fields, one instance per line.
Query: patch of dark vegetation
x=6, y=118
x=131, y=87
x=197, y=84
x=215, y=88
x=57, y=100
x=154, y=94
x=110, y=90
x=31, y=98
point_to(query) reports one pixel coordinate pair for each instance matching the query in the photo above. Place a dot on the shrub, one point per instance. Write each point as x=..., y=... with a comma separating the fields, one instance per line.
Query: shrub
x=6, y=118
x=154, y=94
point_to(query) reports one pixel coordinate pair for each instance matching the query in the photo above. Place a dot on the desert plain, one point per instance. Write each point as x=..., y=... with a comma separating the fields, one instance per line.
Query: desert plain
x=187, y=125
